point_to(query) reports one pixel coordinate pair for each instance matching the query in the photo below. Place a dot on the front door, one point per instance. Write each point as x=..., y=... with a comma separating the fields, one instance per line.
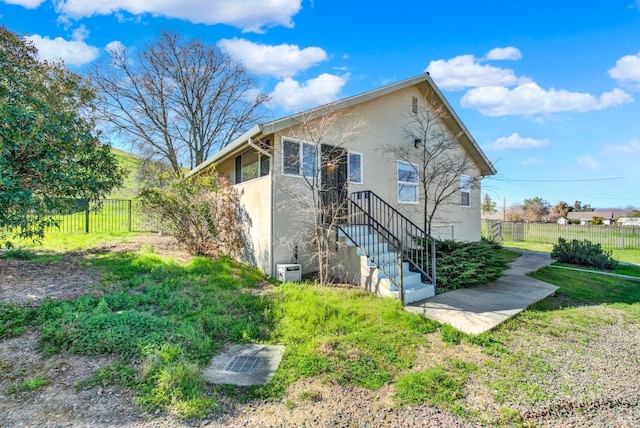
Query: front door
x=334, y=190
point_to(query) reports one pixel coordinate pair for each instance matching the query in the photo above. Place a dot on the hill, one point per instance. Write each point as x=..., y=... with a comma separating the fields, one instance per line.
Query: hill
x=131, y=184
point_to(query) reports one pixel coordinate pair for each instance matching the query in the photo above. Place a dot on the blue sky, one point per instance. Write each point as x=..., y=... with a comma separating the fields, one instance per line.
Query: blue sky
x=549, y=89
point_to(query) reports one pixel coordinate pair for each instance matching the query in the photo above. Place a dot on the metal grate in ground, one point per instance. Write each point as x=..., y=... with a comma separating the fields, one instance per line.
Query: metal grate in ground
x=243, y=364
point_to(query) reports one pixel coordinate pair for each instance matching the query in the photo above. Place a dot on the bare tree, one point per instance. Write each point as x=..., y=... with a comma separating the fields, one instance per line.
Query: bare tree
x=177, y=100
x=320, y=195
x=443, y=170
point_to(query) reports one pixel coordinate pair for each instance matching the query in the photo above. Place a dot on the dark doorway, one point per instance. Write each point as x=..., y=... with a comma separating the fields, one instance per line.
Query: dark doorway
x=334, y=190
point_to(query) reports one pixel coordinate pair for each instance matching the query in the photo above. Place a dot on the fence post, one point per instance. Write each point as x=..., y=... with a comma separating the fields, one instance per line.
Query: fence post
x=622, y=232
x=130, y=215
x=86, y=219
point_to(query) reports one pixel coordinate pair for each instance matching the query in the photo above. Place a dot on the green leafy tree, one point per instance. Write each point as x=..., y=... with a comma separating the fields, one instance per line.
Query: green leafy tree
x=50, y=154
x=488, y=205
x=536, y=209
x=561, y=209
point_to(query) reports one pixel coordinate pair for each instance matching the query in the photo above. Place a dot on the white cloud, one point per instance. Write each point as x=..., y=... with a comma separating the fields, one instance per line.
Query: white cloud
x=291, y=95
x=115, y=46
x=531, y=99
x=272, y=60
x=623, y=149
x=72, y=52
x=508, y=53
x=248, y=15
x=29, y=4
x=515, y=141
x=588, y=162
x=627, y=70
x=466, y=71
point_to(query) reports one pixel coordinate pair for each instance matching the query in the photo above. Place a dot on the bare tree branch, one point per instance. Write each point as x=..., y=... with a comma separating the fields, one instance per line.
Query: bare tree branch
x=178, y=101
x=439, y=161
x=320, y=208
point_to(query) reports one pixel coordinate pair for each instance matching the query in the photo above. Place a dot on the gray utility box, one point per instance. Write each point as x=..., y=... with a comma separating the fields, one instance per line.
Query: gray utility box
x=289, y=272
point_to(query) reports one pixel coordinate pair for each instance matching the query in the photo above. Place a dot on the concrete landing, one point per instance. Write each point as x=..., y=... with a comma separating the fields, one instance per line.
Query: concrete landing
x=244, y=365
x=479, y=309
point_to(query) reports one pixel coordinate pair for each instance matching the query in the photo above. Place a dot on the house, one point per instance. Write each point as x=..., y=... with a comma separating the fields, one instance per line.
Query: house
x=585, y=217
x=629, y=221
x=276, y=167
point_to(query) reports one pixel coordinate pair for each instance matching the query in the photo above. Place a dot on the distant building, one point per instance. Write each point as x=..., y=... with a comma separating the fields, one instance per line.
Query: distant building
x=585, y=217
x=629, y=221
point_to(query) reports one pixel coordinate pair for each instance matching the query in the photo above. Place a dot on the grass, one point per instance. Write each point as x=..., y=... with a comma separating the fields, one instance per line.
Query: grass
x=620, y=269
x=350, y=337
x=57, y=242
x=163, y=321
x=627, y=256
x=582, y=288
x=28, y=385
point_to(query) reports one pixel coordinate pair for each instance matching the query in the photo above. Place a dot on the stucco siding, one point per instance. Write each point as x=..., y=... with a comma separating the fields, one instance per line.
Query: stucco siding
x=255, y=220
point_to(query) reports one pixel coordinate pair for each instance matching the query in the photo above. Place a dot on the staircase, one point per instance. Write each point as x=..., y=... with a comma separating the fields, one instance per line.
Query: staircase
x=394, y=251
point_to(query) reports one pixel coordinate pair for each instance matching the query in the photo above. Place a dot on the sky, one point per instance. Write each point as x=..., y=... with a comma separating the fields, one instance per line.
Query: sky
x=549, y=89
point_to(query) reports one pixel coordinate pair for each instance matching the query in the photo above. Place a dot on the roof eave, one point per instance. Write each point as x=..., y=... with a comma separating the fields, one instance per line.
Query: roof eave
x=234, y=146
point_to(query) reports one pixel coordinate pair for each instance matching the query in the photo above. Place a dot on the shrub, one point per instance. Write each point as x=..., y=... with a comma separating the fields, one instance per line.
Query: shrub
x=583, y=253
x=200, y=212
x=468, y=264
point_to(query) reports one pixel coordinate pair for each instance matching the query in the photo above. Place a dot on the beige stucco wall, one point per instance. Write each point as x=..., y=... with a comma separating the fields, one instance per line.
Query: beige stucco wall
x=255, y=216
x=384, y=119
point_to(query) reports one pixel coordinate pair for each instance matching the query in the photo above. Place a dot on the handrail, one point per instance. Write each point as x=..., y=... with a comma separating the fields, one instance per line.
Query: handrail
x=370, y=246
x=418, y=247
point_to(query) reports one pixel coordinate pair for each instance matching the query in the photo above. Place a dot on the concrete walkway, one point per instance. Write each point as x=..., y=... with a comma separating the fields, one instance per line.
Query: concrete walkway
x=479, y=309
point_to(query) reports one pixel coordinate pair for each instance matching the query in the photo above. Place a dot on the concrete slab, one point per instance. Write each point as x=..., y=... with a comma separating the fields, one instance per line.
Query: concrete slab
x=244, y=365
x=479, y=309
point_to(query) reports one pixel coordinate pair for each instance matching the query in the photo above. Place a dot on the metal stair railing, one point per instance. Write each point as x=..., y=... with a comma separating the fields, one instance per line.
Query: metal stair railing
x=416, y=246
x=373, y=241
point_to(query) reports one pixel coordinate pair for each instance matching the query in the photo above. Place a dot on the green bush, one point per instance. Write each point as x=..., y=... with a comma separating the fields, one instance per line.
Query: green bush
x=583, y=253
x=468, y=264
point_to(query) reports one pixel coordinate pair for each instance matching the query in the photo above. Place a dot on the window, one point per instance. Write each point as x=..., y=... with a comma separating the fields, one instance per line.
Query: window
x=250, y=165
x=465, y=190
x=414, y=105
x=407, y=182
x=299, y=158
x=355, y=168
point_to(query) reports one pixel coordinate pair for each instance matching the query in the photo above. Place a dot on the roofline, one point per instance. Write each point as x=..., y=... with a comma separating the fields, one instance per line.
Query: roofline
x=294, y=119
x=491, y=170
x=230, y=148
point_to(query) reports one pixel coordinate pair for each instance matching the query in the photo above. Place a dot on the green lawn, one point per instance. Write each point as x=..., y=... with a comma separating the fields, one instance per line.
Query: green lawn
x=164, y=320
x=627, y=256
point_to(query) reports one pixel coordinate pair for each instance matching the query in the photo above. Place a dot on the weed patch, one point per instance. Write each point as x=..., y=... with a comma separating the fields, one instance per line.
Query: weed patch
x=442, y=386
x=28, y=385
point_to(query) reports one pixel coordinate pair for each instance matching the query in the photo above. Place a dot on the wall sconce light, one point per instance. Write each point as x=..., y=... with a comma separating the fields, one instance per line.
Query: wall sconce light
x=417, y=143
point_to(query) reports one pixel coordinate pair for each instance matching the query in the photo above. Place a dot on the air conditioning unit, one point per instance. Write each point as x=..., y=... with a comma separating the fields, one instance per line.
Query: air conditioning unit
x=289, y=272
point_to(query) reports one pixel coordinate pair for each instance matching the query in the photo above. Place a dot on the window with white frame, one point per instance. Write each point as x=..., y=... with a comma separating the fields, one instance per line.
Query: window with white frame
x=465, y=190
x=407, y=182
x=299, y=158
x=355, y=168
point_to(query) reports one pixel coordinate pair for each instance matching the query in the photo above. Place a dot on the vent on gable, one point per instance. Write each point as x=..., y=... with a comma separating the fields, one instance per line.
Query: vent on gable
x=414, y=105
